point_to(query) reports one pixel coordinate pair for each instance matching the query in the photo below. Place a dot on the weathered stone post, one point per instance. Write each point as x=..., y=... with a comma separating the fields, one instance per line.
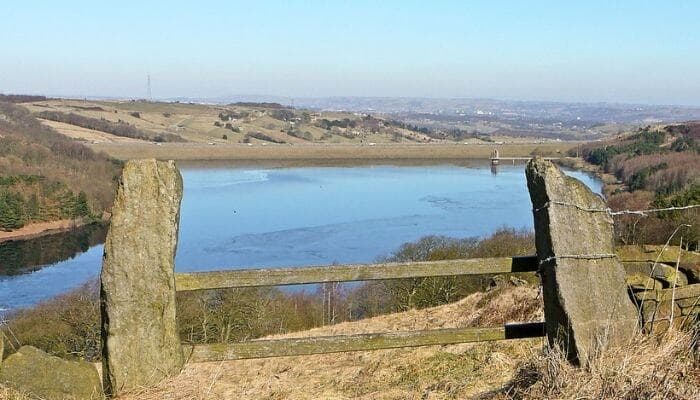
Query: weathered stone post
x=140, y=338
x=586, y=304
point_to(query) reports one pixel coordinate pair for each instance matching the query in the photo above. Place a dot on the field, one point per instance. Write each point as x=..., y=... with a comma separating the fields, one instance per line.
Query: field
x=252, y=132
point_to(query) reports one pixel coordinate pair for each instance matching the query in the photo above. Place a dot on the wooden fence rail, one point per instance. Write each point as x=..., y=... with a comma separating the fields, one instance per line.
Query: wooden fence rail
x=360, y=342
x=347, y=273
x=238, y=278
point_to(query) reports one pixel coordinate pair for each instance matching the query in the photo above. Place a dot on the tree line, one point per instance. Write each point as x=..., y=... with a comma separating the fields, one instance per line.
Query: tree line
x=45, y=176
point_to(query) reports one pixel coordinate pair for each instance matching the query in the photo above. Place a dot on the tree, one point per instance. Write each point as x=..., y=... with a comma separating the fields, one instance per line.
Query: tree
x=82, y=209
x=33, y=207
x=11, y=211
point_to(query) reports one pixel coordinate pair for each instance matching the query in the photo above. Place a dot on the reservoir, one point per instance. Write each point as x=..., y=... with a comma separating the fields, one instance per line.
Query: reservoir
x=238, y=217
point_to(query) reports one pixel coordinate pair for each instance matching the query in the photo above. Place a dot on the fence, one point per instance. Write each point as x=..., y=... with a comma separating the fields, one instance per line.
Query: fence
x=345, y=273
x=583, y=283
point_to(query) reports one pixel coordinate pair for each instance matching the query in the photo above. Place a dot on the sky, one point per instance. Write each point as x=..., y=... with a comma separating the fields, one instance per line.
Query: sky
x=582, y=51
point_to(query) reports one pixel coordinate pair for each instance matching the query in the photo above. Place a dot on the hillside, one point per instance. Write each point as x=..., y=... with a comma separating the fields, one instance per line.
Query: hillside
x=45, y=176
x=267, y=131
x=235, y=123
x=652, y=367
x=437, y=372
x=255, y=123
x=655, y=167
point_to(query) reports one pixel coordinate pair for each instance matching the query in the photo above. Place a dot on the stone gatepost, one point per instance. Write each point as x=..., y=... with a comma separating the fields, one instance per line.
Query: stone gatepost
x=140, y=338
x=586, y=304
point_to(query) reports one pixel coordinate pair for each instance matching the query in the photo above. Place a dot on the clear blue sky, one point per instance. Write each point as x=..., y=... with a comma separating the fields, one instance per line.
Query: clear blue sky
x=615, y=51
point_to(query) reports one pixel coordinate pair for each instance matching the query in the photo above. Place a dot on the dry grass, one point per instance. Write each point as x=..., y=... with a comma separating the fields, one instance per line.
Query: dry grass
x=11, y=394
x=652, y=367
x=436, y=372
x=84, y=134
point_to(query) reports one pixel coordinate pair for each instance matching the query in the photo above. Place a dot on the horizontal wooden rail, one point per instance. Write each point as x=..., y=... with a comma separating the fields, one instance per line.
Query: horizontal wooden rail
x=362, y=272
x=361, y=342
x=345, y=273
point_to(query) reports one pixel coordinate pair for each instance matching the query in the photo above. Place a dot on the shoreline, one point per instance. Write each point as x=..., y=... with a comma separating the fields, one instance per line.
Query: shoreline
x=610, y=181
x=38, y=229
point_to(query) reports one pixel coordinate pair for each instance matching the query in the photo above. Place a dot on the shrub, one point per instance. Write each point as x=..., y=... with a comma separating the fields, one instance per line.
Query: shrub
x=67, y=326
x=283, y=114
x=263, y=137
x=301, y=135
x=404, y=294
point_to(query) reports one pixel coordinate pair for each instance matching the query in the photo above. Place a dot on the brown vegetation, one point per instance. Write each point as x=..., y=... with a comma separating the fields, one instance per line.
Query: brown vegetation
x=46, y=177
x=651, y=367
x=67, y=326
x=659, y=168
x=434, y=372
x=20, y=98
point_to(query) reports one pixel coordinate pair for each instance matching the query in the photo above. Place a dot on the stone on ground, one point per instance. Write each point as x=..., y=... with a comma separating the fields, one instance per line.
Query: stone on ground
x=32, y=371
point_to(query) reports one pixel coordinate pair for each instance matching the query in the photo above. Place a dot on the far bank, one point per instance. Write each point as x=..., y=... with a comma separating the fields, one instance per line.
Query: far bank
x=330, y=154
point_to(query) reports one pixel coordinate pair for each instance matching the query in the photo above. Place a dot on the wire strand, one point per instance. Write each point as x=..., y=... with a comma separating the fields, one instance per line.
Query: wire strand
x=579, y=257
x=615, y=213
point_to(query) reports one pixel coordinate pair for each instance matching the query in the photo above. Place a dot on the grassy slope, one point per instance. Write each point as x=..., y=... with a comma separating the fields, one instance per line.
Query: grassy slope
x=652, y=367
x=196, y=124
x=456, y=371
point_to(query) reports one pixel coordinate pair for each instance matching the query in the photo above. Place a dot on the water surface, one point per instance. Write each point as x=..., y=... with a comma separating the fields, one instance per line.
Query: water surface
x=238, y=217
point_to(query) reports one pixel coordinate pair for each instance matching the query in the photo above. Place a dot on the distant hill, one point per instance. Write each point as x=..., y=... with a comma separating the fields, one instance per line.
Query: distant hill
x=243, y=122
x=45, y=176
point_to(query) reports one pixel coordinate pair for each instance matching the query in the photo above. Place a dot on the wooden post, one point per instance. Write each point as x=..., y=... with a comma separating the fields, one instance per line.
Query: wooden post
x=140, y=339
x=586, y=303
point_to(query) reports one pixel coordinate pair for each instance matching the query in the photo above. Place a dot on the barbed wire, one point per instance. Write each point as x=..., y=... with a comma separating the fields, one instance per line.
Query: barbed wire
x=610, y=212
x=653, y=210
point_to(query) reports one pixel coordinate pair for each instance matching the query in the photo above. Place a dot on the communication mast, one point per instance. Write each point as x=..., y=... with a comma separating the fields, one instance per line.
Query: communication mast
x=149, y=97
